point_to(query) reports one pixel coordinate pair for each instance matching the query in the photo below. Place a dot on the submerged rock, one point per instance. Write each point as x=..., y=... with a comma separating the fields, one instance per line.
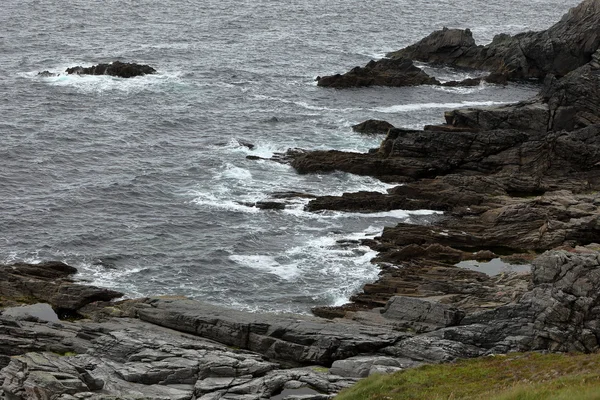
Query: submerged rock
x=46, y=74
x=116, y=68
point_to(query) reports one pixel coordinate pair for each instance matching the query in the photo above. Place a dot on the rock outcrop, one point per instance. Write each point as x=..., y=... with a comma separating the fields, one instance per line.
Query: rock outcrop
x=373, y=127
x=513, y=182
x=116, y=68
x=293, y=339
x=397, y=72
x=558, y=50
x=48, y=283
x=164, y=348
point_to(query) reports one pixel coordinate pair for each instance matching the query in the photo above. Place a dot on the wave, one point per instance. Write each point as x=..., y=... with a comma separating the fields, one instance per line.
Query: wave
x=423, y=106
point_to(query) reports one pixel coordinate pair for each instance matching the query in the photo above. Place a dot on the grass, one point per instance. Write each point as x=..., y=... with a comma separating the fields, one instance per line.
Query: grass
x=519, y=376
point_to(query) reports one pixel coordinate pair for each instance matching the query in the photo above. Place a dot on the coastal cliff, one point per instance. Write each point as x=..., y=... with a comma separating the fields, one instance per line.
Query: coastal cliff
x=519, y=182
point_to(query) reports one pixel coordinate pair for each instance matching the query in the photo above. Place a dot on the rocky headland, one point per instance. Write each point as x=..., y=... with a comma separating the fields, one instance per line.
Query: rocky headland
x=518, y=183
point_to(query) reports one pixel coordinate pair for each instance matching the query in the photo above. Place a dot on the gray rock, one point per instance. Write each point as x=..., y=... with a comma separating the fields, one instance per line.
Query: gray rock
x=363, y=366
x=48, y=282
x=295, y=338
x=558, y=50
x=420, y=314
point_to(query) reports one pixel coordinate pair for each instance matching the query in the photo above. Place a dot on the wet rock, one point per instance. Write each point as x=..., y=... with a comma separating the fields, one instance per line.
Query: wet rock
x=47, y=283
x=292, y=195
x=270, y=205
x=116, y=68
x=246, y=144
x=373, y=126
x=46, y=74
x=558, y=50
x=385, y=72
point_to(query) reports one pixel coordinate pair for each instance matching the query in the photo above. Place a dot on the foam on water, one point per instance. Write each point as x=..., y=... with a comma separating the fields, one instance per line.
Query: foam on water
x=105, y=83
x=416, y=107
x=149, y=170
x=268, y=264
x=117, y=279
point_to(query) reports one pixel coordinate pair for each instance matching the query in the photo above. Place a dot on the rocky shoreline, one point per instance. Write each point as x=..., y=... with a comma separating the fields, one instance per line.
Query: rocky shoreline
x=518, y=183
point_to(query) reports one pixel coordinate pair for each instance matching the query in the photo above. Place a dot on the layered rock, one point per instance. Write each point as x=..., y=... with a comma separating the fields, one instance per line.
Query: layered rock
x=48, y=282
x=116, y=68
x=295, y=339
x=132, y=358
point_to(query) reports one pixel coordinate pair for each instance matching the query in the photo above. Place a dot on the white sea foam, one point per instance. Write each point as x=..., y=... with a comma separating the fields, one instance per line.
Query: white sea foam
x=106, y=83
x=117, y=279
x=304, y=104
x=422, y=106
x=267, y=264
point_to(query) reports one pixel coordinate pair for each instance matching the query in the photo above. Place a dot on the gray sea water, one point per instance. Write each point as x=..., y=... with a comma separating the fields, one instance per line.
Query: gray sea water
x=141, y=183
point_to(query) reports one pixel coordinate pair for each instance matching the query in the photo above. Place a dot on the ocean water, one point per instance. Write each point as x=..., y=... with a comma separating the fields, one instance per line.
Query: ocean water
x=142, y=184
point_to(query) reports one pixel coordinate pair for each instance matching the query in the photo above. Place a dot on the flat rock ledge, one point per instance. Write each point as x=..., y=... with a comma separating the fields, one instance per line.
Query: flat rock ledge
x=175, y=348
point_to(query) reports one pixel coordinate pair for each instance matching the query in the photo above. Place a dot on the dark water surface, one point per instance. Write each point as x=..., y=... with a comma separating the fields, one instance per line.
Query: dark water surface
x=140, y=183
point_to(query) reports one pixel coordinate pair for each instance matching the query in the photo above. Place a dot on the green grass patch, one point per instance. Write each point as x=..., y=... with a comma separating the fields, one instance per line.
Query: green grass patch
x=528, y=376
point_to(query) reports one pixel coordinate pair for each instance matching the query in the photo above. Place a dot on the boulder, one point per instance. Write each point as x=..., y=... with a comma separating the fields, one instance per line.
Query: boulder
x=373, y=127
x=363, y=366
x=48, y=283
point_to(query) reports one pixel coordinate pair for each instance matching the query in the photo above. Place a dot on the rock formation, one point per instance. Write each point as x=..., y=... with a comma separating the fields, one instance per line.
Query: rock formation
x=397, y=72
x=515, y=182
x=567, y=45
x=116, y=68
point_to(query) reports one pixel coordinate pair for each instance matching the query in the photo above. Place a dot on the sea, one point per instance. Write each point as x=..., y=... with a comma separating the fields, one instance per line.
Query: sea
x=144, y=184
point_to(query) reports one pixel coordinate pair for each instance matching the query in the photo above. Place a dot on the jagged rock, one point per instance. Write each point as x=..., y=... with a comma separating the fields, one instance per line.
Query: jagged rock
x=41, y=376
x=46, y=74
x=512, y=156
x=373, y=126
x=116, y=68
x=384, y=72
x=558, y=50
x=430, y=349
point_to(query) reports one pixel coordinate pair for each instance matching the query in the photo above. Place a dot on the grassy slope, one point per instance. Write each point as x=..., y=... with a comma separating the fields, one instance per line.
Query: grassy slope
x=513, y=377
